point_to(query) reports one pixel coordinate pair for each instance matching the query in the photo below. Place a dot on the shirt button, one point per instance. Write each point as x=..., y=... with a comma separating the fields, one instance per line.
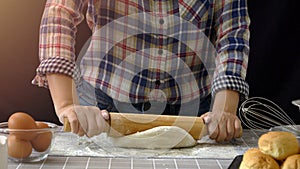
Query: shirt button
x=161, y=21
x=157, y=83
x=160, y=51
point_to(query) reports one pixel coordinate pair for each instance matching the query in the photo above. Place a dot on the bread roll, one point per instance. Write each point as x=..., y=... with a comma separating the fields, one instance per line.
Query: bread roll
x=292, y=162
x=255, y=159
x=278, y=144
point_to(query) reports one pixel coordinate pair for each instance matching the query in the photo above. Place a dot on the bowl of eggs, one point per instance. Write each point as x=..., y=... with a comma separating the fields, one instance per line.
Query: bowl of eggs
x=27, y=140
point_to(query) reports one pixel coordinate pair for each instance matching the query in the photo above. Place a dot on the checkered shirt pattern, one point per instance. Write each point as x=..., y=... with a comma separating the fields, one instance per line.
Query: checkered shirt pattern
x=224, y=23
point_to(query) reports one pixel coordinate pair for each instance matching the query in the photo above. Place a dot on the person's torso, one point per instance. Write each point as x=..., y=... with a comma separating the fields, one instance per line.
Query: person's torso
x=150, y=49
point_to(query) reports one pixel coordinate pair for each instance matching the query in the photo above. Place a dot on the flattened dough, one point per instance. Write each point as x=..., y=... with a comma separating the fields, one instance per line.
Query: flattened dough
x=161, y=137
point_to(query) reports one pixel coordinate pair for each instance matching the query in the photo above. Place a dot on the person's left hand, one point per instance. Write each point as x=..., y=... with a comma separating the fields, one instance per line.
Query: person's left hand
x=222, y=126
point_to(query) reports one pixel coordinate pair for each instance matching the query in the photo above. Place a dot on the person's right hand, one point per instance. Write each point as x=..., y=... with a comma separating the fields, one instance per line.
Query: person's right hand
x=85, y=120
x=88, y=120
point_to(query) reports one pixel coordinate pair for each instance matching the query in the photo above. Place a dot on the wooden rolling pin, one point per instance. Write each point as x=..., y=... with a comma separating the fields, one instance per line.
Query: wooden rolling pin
x=127, y=123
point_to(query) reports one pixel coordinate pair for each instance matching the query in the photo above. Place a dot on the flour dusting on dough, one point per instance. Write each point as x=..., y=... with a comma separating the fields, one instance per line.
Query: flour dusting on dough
x=161, y=137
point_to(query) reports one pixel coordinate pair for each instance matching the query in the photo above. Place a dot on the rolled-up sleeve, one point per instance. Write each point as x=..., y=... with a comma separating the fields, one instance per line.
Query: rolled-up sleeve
x=232, y=44
x=57, y=39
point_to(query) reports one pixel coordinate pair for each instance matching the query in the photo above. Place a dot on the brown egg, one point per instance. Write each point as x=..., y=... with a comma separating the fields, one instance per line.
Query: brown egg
x=18, y=148
x=43, y=139
x=21, y=120
x=41, y=125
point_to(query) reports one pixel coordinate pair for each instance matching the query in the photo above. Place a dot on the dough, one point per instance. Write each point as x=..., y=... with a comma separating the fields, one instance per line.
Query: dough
x=162, y=137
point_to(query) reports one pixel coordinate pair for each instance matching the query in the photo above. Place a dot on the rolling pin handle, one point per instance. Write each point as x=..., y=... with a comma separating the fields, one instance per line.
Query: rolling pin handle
x=67, y=126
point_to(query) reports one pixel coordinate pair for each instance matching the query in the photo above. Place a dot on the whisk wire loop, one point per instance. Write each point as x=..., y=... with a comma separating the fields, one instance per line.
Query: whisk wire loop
x=261, y=113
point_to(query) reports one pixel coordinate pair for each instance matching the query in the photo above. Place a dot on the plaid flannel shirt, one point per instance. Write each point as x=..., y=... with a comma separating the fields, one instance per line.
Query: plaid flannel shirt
x=224, y=22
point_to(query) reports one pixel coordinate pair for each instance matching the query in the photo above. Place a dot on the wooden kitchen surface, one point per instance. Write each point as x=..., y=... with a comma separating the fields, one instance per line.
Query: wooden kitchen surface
x=77, y=154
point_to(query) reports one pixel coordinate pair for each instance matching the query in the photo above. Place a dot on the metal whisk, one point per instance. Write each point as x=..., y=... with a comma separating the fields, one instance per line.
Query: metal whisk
x=261, y=113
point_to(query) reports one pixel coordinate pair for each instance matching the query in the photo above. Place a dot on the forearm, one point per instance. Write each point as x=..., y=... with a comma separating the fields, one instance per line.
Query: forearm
x=62, y=89
x=226, y=101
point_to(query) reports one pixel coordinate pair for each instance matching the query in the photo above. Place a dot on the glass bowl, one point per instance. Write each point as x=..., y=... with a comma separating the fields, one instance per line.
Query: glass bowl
x=295, y=129
x=28, y=145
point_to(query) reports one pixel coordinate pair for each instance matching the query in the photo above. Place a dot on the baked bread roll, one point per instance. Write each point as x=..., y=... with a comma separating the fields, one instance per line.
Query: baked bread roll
x=292, y=162
x=278, y=144
x=254, y=159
